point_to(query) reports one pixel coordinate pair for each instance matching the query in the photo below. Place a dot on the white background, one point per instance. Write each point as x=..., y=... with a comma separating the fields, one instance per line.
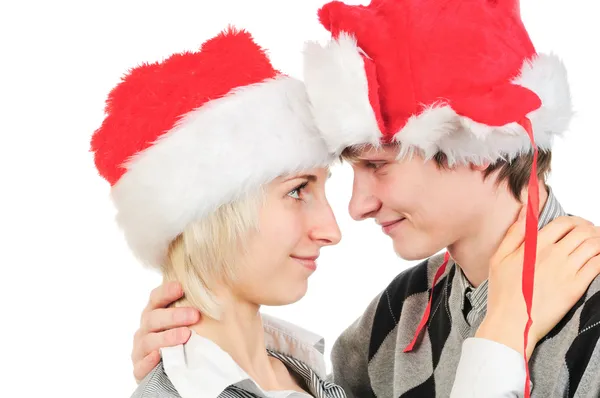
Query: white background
x=70, y=292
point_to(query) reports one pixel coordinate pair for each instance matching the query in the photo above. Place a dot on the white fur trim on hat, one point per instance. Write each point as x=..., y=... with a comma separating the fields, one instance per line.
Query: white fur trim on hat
x=337, y=87
x=215, y=154
x=463, y=140
x=338, y=91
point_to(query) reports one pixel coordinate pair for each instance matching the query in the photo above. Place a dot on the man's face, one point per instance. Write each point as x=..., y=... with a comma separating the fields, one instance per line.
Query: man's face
x=422, y=207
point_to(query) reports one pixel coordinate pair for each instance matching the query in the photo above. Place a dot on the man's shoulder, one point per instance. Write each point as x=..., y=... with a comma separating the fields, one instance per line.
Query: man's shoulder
x=583, y=316
x=581, y=358
x=416, y=279
x=590, y=311
x=409, y=291
x=572, y=345
x=385, y=308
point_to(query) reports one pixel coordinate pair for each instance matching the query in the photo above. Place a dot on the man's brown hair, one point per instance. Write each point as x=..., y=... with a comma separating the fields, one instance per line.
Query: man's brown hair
x=515, y=172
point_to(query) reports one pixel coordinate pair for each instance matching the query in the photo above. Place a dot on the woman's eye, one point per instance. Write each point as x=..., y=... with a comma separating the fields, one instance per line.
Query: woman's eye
x=295, y=193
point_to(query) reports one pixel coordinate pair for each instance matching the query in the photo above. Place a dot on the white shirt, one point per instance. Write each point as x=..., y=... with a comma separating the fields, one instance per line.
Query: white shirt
x=488, y=370
x=201, y=369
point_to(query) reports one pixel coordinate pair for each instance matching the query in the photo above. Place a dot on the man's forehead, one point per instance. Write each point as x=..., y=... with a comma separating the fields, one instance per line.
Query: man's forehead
x=368, y=151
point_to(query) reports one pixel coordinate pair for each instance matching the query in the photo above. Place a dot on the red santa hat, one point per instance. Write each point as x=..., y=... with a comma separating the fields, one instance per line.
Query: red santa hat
x=460, y=77
x=456, y=78
x=199, y=129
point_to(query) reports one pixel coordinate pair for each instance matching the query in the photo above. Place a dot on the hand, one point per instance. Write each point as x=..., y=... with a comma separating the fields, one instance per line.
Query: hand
x=568, y=260
x=160, y=327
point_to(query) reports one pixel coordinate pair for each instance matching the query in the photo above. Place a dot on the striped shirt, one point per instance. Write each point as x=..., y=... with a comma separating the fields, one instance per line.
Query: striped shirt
x=201, y=369
x=369, y=359
x=474, y=300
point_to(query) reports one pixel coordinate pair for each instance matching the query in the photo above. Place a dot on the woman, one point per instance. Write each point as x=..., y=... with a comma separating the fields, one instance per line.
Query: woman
x=218, y=174
x=218, y=178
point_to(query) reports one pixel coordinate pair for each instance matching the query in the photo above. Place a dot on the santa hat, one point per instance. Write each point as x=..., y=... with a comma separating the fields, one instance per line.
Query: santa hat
x=460, y=77
x=197, y=130
x=456, y=78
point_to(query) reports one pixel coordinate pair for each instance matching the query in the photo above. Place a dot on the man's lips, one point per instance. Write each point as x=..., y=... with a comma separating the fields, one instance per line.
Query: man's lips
x=388, y=226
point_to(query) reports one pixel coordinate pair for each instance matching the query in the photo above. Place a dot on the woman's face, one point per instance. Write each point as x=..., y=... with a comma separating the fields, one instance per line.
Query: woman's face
x=295, y=222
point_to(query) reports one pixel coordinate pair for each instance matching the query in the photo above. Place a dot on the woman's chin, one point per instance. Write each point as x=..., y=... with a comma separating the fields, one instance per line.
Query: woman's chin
x=287, y=296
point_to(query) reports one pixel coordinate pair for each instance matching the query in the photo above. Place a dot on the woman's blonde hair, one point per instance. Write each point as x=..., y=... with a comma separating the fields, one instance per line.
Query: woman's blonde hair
x=204, y=256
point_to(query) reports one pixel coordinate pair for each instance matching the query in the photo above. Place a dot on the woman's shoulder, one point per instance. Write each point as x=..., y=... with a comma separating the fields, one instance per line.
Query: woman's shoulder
x=156, y=385
x=304, y=336
x=295, y=342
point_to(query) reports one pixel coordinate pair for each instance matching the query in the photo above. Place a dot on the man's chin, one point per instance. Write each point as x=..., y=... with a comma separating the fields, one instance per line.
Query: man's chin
x=413, y=252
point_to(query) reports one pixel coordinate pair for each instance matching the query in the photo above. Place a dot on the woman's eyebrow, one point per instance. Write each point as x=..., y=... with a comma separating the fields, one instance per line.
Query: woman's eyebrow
x=309, y=177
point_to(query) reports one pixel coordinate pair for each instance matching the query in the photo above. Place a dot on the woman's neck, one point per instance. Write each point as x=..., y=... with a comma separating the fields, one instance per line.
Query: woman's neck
x=240, y=333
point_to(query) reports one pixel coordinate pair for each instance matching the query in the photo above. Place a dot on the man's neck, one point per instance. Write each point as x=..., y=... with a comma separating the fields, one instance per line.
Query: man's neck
x=240, y=333
x=473, y=252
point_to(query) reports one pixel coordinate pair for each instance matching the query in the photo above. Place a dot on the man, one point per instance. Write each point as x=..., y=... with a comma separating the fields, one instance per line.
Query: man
x=461, y=98
x=441, y=107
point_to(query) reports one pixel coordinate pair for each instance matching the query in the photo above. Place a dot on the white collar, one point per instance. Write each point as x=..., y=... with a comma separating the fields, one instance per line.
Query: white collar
x=201, y=369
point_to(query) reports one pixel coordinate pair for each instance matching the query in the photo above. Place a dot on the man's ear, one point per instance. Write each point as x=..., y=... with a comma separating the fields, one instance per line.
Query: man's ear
x=482, y=167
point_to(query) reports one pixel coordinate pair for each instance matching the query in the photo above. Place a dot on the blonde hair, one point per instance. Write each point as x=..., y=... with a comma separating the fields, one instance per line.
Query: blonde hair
x=203, y=257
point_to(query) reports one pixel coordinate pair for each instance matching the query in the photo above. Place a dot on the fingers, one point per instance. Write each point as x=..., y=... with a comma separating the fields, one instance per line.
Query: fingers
x=168, y=338
x=580, y=244
x=578, y=236
x=151, y=342
x=587, y=250
x=587, y=274
x=558, y=229
x=145, y=365
x=160, y=327
x=513, y=239
x=162, y=319
x=164, y=295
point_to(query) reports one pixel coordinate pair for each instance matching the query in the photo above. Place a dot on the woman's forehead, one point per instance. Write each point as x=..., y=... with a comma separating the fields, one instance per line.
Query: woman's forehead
x=309, y=174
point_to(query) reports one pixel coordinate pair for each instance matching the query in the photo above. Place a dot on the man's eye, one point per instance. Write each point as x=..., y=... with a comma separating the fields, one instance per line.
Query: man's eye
x=374, y=165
